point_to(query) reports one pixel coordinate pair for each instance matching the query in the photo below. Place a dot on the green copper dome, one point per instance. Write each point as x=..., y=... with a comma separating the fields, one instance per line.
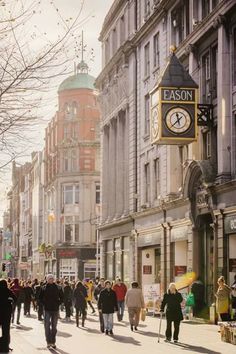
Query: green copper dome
x=78, y=81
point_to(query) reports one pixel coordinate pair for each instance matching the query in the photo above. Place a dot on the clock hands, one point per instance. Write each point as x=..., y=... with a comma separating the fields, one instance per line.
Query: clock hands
x=177, y=120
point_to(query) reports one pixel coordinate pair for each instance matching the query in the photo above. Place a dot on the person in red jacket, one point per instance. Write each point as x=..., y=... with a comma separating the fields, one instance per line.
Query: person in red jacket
x=120, y=290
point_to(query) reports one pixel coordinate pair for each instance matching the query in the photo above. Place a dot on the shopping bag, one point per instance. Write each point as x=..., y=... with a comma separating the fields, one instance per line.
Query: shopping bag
x=190, y=301
x=143, y=314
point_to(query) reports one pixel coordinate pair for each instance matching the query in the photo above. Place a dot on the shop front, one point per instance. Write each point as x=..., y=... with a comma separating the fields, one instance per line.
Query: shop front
x=179, y=247
x=230, y=233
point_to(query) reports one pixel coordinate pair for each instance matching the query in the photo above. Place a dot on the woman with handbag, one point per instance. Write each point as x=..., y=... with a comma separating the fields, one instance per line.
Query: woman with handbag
x=172, y=301
x=79, y=297
x=223, y=299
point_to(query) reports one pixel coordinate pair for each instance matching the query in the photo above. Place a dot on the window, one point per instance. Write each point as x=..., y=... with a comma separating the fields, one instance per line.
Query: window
x=126, y=258
x=97, y=131
x=207, y=145
x=66, y=132
x=109, y=259
x=67, y=110
x=147, y=8
x=70, y=160
x=205, y=8
x=73, y=160
x=147, y=115
x=177, y=25
x=147, y=60
x=234, y=57
x=74, y=109
x=156, y=167
x=118, y=257
x=147, y=182
x=65, y=161
x=71, y=194
x=97, y=193
x=71, y=229
x=74, y=131
x=114, y=41
x=122, y=29
x=156, y=51
x=209, y=75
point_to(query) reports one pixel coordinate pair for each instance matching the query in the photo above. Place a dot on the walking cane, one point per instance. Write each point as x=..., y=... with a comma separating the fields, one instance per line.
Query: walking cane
x=159, y=334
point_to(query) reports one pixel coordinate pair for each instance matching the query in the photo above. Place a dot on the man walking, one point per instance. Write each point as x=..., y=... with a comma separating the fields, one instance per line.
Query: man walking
x=120, y=290
x=97, y=292
x=51, y=296
x=107, y=305
x=135, y=302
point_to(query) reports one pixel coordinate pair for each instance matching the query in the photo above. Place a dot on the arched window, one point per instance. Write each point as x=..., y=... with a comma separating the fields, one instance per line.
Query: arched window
x=74, y=109
x=67, y=110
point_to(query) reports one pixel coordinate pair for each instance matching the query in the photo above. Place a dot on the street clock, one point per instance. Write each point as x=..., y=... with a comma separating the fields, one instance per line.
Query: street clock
x=173, y=111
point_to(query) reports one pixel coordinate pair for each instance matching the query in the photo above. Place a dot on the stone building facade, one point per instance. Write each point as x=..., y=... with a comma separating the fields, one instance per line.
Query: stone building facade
x=179, y=206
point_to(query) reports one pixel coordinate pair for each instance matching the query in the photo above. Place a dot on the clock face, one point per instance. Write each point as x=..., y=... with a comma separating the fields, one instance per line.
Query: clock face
x=155, y=122
x=178, y=120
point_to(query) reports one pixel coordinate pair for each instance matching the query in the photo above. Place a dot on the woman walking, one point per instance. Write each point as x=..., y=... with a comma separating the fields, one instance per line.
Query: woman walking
x=222, y=299
x=79, y=297
x=135, y=302
x=172, y=300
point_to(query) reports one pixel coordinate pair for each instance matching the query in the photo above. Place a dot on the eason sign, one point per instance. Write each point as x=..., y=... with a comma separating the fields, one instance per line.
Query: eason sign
x=230, y=224
x=174, y=106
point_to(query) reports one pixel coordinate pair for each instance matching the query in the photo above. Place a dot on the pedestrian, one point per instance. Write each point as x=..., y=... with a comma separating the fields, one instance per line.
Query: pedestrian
x=120, y=290
x=107, y=305
x=39, y=304
x=198, y=290
x=90, y=290
x=79, y=297
x=97, y=291
x=223, y=299
x=7, y=298
x=172, y=301
x=51, y=296
x=18, y=291
x=68, y=294
x=233, y=298
x=135, y=302
x=28, y=291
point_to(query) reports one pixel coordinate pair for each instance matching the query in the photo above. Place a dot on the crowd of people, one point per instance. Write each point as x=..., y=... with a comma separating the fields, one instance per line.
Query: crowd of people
x=49, y=296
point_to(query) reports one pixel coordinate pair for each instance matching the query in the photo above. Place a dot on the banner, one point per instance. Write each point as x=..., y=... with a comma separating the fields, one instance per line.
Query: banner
x=152, y=297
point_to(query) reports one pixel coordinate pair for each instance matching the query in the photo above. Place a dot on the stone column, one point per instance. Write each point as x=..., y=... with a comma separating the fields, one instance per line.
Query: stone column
x=223, y=102
x=120, y=167
x=126, y=162
x=112, y=171
x=105, y=159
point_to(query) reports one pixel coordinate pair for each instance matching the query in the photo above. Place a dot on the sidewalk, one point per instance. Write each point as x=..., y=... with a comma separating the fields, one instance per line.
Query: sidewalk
x=194, y=338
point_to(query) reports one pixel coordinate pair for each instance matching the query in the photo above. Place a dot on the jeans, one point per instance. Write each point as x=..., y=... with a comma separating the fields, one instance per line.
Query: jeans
x=121, y=308
x=108, y=321
x=176, y=329
x=50, y=325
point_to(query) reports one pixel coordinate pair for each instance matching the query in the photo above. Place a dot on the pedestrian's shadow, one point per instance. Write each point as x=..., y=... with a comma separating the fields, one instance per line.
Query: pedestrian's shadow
x=58, y=351
x=63, y=334
x=23, y=328
x=194, y=348
x=90, y=319
x=125, y=340
x=92, y=330
x=149, y=334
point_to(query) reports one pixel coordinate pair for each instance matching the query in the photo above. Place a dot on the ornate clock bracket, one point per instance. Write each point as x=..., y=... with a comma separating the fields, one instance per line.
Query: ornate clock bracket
x=205, y=115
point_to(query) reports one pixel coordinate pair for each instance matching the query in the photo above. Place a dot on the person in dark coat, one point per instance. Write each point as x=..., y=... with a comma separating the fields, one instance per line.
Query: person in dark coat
x=7, y=298
x=39, y=304
x=172, y=301
x=28, y=291
x=198, y=291
x=51, y=296
x=107, y=305
x=68, y=294
x=97, y=291
x=18, y=291
x=79, y=297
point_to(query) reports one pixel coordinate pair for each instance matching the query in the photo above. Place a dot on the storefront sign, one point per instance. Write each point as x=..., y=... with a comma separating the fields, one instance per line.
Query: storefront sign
x=152, y=296
x=67, y=253
x=230, y=224
x=150, y=239
x=179, y=233
x=147, y=269
x=180, y=270
x=232, y=265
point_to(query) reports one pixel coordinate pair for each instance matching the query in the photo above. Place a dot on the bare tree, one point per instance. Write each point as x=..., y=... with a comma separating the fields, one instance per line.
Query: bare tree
x=29, y=60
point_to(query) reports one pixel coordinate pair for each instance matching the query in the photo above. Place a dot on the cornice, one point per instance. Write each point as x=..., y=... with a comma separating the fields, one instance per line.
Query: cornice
x=224, y=187
x=115, y=223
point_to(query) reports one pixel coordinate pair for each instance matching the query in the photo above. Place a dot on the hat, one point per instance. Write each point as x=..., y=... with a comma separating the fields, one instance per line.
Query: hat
x=50, y=276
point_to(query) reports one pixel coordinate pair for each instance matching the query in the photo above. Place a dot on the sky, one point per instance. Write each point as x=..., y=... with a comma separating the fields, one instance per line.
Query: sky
x=91, y=19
